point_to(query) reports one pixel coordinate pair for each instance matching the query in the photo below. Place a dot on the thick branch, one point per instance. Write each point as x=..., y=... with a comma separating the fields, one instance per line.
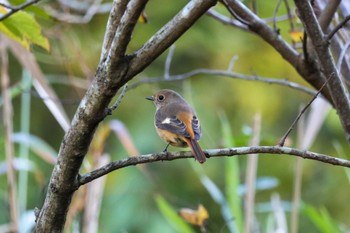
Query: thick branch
x=168, y=34
x=114, y=70
x=309, y=71
x=321, y=45
x=124, y=30
x=168, y=156
x=112, y=25
x=328, y=13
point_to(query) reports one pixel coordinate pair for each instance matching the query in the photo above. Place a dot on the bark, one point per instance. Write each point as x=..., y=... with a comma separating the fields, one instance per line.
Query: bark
x=213, y=153
x=115, y=69
x=321, y=46
x=308, y=69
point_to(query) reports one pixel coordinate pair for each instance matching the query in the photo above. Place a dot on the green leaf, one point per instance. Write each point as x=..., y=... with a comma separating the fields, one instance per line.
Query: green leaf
x=12, y=34
x=23, y=28
x=171, y=215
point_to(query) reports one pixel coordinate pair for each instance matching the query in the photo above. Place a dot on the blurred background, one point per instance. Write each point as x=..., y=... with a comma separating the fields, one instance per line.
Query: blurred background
x=146, y=198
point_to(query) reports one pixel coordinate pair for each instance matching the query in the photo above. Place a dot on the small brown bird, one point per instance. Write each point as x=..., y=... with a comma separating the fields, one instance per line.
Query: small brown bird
x=176, y=122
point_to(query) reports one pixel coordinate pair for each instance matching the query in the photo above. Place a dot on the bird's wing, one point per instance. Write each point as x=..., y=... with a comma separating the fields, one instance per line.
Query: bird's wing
x=172, y=124
x=196, y=128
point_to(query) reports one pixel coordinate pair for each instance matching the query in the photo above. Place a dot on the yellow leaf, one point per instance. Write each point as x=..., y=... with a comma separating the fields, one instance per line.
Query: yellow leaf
x=296, y=35
x=143, y=17
x=6, y=31
x=23, y=28
x=196, y=217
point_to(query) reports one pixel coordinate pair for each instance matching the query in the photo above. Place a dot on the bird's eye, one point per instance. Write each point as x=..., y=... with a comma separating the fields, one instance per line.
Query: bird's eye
x=161, y=97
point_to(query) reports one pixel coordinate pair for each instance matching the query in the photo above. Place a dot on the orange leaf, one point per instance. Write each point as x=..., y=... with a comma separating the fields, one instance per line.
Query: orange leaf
x=195, y=217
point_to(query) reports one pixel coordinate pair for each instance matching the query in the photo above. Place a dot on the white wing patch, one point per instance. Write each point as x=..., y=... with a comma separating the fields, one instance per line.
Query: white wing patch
x=166, y=121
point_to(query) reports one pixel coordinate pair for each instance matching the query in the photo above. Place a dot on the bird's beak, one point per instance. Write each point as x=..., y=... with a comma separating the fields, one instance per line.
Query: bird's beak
x=150, y=98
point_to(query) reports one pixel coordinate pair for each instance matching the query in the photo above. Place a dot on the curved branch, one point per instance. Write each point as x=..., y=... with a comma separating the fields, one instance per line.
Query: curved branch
x=230, y=74
x=168, y=156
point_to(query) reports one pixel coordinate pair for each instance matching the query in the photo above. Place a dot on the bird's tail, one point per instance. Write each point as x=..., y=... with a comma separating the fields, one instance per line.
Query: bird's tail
x=197, y=150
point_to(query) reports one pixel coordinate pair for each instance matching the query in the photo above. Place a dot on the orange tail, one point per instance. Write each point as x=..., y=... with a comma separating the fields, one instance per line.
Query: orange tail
x=197, y=151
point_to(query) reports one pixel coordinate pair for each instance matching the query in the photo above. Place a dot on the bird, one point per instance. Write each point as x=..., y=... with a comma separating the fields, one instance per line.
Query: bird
x=176, y=122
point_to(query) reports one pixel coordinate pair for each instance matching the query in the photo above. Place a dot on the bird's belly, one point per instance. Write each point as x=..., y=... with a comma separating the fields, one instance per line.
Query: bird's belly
x=173, y=139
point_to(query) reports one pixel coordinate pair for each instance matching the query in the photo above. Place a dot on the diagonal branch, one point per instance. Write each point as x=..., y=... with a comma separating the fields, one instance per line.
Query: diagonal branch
x=168, y=34
x=124, y=30
x=283, y=139
x=338, y=27
x=168, y=156
x=327, y=14
x=112, y=25
x=114, y=70
x=14, y=9
x=321, y=45
x=309, y=71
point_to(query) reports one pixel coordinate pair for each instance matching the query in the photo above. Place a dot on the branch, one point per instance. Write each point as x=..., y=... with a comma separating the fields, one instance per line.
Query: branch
x=230, y=74
x=112, y=25
x=168, y=34
x=114, y=70
x=226, y=20
x=338, y=27
x=309, y=71
x=224, y=152
x=327, y=14
x=117, y=102
x=14, y=9
x=321, y=44
x=283, y=139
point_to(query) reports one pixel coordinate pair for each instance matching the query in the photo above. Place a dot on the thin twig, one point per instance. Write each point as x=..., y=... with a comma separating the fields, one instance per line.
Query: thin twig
x=223, y=152
x=14, y=9
x=283, y=139
x=274, y=16
x=234, y=13
x=117, y=102
x=343, y=55
x=232, y=63
x=290, y=16
x=168, y=60
x=226, y=20
x=230, y=74
x=338, y=27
